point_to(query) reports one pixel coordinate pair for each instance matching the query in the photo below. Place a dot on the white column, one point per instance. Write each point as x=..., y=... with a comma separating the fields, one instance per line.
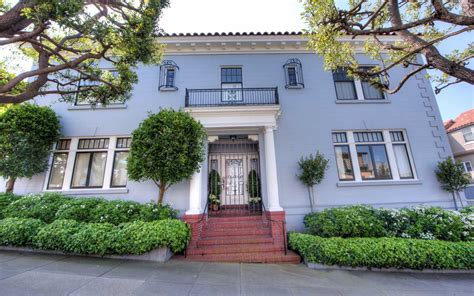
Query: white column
x=271, y=171
x=195, y=190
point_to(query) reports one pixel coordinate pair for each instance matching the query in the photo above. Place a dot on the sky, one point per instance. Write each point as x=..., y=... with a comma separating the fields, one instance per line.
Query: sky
x=187, y=16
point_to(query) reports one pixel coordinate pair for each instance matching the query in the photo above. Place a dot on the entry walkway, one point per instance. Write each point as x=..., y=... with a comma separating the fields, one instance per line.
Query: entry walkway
x=28, y=274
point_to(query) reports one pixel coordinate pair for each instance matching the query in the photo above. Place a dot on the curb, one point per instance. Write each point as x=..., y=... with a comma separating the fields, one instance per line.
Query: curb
x=318, y=266
x=162, y=254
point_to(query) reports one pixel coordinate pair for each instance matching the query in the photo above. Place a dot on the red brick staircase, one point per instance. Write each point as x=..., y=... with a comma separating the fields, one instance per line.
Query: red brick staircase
x=253, y=239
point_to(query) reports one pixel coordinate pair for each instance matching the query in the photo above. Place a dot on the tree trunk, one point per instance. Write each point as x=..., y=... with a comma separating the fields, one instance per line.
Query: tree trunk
x=310, y=194
x=10, y=185
x=460, y=199
x=454, y=200
x=161, y=194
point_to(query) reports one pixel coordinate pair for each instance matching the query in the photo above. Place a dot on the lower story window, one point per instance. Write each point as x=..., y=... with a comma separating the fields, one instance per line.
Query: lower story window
x=119, y=172
x=344, y=163
x=58, y=169
x=89, y=170
x=373, y=162
x=372, y=155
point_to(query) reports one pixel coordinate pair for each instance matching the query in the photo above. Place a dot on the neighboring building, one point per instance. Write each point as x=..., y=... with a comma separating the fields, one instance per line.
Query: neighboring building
x=265, y=101
x=461, y=138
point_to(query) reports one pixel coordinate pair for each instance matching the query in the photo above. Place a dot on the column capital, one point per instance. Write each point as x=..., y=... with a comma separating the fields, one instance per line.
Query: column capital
x=269, y=128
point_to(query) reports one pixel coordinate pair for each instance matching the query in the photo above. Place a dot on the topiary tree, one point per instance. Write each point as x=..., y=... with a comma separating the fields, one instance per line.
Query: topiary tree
x=254, y=184
x=312, y=172
x=452, y=177
x=214, y=183
x=167, y=147
x=27, y=135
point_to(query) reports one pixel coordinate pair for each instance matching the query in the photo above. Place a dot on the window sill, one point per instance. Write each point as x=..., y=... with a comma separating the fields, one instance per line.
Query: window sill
x=90, y=107
x=377, y=183
x=91, y=191
x=294, y=86
x=168, y=89
x=363, y=101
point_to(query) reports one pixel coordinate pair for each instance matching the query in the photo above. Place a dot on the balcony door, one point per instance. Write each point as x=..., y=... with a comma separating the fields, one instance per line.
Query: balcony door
x=231, y=84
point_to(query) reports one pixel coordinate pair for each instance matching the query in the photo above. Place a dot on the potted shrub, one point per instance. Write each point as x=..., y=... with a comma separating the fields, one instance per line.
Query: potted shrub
x=254, y=203
x=214, y=202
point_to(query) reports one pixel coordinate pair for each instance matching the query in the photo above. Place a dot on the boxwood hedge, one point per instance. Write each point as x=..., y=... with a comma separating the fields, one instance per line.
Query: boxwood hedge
x=49, y=207
x=71, y=236
x=364, y=221
x=386, y=252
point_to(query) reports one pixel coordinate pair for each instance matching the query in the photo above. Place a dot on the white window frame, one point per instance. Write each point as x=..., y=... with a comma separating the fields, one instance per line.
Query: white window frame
x=72, y=153
x=468, y=130
x=465, y=164
x=388, y=143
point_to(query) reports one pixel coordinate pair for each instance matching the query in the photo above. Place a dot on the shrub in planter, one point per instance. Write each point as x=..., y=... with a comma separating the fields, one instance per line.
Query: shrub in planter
x=19, y=231
x=79, y=209
x=39, y=206
x=57, y=235
x=153, y=211
x=116, y=212
x=92, y=238
x=384, y=252
x=5, y=200
x=354, y=221
x=140, y=237
x=431, y=223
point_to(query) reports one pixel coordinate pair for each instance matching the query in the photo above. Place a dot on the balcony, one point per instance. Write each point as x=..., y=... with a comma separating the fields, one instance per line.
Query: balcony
x=231, y=97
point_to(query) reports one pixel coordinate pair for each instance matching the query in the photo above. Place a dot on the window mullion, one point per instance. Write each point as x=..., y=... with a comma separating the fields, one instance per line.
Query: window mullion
x=89, y=168
x=359, y=91
x=110, y=162
x=391, y=155
x=354, y=160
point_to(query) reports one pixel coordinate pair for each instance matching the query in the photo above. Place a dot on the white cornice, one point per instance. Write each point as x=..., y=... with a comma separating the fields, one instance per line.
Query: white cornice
x=248, y=44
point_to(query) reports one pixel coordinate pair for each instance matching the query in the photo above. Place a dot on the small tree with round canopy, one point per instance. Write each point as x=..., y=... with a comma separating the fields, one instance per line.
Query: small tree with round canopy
x=27, y=135
x=452, y=177
x=167, y=147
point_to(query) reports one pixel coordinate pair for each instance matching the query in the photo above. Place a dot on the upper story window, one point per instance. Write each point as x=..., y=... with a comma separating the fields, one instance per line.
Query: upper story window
x=349, y=89
x=372, y=155
x=468, y=134
x=86, y=84
x=293, y=74
x=231, y=76
x=168, y=71
x=467, y=166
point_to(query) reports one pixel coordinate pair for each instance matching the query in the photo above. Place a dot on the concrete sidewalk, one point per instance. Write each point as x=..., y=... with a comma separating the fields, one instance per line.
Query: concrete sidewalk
x=31, y=274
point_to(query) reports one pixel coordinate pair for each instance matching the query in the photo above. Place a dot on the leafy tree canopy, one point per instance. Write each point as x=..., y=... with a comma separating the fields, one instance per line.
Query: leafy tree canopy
x=167, y=147
x=422, y=27
x=312, y=169
x=65, y=40
x=452, y=176
x=27, y=134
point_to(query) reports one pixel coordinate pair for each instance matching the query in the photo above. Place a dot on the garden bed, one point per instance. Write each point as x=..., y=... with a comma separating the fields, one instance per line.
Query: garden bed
x=384, y=253
x=91, y=226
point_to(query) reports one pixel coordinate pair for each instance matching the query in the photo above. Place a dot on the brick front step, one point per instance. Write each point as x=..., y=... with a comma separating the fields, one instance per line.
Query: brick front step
x=234, y=249
x=236, y=224
x=270, y=257
x=236, y=232
x=245, y=239
x=234, y=219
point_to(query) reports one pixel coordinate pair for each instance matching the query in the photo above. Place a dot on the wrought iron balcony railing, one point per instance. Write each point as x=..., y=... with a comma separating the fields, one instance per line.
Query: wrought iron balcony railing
x=231, y=97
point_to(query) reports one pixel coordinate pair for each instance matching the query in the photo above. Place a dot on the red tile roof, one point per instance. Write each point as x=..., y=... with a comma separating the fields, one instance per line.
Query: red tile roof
x=464, y=119
x=164, y=34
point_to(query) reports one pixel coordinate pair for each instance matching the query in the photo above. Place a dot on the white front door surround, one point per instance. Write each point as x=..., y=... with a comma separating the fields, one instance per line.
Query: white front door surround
x=225, y=120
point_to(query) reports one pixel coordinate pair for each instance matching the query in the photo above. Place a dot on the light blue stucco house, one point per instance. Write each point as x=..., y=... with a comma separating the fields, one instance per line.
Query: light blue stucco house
x=265, y=101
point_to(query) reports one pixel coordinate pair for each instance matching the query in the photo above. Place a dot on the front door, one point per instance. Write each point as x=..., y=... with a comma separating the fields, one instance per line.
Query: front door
x=234, y=192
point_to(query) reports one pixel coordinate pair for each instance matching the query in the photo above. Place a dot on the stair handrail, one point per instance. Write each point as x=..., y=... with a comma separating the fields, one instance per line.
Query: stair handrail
x=283, y=226
x=203, y=215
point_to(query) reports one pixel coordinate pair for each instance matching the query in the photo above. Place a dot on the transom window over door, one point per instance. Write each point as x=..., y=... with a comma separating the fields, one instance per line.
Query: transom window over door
x=375, y=155
x=231, y=83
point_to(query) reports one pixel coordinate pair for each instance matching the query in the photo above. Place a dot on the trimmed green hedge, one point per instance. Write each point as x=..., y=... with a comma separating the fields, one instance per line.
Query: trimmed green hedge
x=384, y=252
x=95, y=238
x=5, y=200
x=49, y=207
x=364, y=221
x=19, y=231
